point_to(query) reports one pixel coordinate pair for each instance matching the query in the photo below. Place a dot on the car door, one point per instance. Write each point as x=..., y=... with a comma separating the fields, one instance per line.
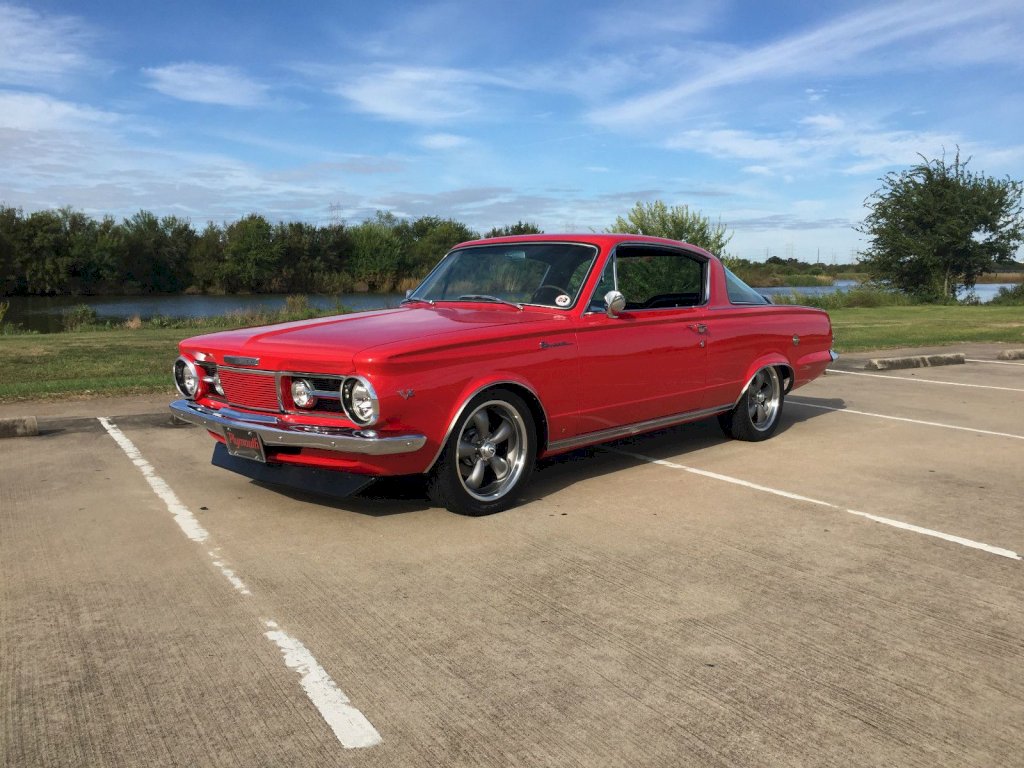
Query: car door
x=650, y=361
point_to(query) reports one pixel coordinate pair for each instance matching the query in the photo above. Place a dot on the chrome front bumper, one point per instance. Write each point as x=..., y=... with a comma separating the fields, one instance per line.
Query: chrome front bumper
x=275, y=432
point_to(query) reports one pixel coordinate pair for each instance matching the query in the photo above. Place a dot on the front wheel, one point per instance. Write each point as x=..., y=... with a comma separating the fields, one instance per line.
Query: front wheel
x=756, y=415
x=488, y=458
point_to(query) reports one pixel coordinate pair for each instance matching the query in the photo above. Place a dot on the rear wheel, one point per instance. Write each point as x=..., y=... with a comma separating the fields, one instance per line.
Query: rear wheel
x=756, y=415
x=488, y=458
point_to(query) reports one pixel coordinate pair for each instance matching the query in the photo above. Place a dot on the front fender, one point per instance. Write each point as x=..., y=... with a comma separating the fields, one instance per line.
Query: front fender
x=472, y=389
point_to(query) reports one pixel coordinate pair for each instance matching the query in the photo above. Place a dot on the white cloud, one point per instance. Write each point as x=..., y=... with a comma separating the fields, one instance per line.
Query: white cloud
x=37, y=112
x=37, y=49
x=833, y=144
x=443, y=141
x=207, y=84
x=843, y=47
x=648, y=20
x=823, y=122
x=421, y=95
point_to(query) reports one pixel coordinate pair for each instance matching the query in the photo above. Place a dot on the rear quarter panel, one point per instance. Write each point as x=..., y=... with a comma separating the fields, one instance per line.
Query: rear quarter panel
x=743, y=339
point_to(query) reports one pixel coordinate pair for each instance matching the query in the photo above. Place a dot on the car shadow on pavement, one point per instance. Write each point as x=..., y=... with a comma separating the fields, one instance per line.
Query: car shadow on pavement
x=400, y=495
x=674, y=444
x=384, y=497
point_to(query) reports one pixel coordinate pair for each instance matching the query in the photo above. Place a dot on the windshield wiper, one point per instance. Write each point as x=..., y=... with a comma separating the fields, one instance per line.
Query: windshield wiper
x=412, y=300
x=487, y=297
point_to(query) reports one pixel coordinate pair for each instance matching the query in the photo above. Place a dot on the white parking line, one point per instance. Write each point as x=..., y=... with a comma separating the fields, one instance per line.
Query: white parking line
x=349, y=725
x=797, y=497
x=926, y=381
x=993, y=362
x=791, y=401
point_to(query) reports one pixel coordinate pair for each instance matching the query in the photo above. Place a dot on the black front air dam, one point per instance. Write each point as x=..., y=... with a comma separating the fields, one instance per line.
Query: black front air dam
x=323, y=482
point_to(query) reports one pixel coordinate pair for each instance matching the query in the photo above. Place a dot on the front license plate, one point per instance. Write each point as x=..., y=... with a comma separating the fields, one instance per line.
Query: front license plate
x=245, y=444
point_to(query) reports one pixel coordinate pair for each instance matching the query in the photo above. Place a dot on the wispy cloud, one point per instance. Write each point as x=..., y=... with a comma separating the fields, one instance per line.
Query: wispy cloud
x=22, y=111
x=444, y=141
x=207, y=84
x=820, y=142
x=841, y=45
x=421, y=95
x=38, y=49
x=650, y=20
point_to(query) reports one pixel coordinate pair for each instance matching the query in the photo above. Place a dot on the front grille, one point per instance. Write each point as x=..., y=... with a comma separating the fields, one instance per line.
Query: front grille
x=249, y=390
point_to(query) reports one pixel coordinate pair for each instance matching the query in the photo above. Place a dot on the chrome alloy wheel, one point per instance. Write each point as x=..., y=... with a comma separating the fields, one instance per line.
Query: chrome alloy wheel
x=492, y=450
x=763, y=397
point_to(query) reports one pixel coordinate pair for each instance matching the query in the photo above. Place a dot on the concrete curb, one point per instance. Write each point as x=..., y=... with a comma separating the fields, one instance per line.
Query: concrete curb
x=31, y=426
x=1011, y=354
x=921, y=361
x=23, y=426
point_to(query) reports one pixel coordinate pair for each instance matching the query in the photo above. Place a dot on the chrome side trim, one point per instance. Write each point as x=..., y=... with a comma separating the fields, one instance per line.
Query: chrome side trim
x=614, y=433
x=340, y=439
x=462, y=408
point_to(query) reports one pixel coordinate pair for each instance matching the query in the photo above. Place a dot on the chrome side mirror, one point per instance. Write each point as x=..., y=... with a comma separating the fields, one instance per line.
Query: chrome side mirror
x=614, y=302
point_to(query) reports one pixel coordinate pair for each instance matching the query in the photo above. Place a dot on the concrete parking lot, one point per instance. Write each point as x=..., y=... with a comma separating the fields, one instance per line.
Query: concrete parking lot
x=847, y=593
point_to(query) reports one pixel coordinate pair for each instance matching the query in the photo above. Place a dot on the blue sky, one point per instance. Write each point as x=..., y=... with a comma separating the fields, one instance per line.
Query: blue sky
x=777, y=118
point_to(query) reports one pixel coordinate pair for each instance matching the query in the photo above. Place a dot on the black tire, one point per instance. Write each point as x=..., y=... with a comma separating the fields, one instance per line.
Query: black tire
x=757, y=414
x=488, y=458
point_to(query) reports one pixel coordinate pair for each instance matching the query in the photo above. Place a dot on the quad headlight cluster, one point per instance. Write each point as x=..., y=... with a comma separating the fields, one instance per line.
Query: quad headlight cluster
x=357, y=397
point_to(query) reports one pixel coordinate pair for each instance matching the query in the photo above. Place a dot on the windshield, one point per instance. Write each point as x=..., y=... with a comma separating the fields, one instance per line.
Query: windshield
x=544, y=274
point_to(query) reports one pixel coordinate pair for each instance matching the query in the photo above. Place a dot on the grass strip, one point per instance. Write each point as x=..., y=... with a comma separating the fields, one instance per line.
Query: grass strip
x=123, y=361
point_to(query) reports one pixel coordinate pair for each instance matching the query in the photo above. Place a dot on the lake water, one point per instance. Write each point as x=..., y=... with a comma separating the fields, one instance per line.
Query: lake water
x=44, y=313
x=984, y=291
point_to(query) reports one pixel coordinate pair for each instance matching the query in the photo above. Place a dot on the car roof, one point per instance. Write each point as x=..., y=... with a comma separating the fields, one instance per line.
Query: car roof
x=603, y=240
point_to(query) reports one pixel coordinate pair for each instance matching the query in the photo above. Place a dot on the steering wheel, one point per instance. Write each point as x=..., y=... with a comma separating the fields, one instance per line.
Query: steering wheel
x=548, y=289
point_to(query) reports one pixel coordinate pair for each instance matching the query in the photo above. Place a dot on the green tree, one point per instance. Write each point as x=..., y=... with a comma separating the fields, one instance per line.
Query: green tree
x=252, y=257
x=519, y=228
x=675, y=223
x=46, y=258
x=937, y=227
x=432, y=238
x=10, y=248
x=377, y=253
x=206, y=259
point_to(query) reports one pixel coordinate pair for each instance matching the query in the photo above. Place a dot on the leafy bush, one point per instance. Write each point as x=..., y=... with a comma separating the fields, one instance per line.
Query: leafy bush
x=77, y=317
x=1010, y=296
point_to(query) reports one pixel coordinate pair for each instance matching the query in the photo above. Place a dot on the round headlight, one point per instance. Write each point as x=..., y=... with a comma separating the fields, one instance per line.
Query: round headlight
x=302, y=393
x=186, y=378
x=359, y=401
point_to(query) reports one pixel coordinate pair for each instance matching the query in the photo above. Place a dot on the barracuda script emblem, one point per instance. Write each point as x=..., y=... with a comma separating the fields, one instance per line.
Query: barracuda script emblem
x=240, y=360
x=406, y=393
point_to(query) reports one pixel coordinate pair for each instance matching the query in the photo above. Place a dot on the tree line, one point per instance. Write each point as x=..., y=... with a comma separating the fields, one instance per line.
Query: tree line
x=932, y=230
x=64, y=251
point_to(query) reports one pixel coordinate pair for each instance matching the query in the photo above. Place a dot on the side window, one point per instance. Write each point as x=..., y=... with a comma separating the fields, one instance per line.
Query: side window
x=657, y=279
x=741, y=293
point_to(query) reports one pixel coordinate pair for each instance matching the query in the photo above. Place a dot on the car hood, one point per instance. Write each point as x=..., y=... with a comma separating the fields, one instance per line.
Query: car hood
x=329, y=344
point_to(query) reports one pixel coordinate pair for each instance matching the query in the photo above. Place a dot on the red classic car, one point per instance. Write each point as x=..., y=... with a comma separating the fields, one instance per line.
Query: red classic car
x=511, y=349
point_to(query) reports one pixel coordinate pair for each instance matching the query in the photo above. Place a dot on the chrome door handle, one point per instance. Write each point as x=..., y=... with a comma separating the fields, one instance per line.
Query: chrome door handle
x=699, y=328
